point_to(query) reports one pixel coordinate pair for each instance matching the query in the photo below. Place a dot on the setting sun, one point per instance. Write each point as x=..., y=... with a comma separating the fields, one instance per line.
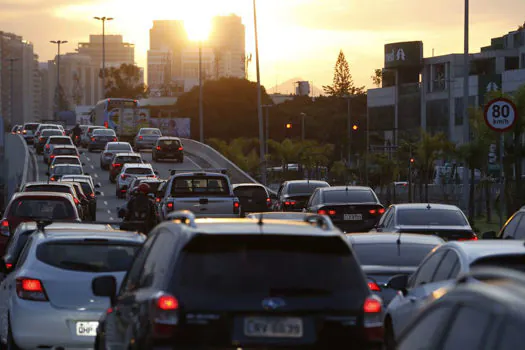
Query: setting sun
x=198, y=28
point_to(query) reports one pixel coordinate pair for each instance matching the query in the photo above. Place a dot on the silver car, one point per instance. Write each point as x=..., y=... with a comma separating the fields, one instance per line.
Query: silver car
x=146, y=138
x=47, y=300
x=55, y=140
x=110, y=150
x=128, y=173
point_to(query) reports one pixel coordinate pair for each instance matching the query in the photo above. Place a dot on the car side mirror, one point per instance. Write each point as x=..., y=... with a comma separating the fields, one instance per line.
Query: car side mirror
x=489, y=235
x=97, y=193
x=98, y=185
x=398, y=282
x=105, y=286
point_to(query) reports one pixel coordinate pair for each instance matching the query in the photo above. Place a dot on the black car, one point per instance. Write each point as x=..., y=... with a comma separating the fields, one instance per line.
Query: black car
x=253, y=197
x=42, y=139
x=473, y=316
x=167, y=147
x=90, y=193
x=351, y=208
x=384, y=255
x=241, y=283
x=15, y=246
x=293, y=195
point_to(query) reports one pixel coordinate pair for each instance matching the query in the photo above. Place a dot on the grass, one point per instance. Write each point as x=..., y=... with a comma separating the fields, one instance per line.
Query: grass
x=480, y=224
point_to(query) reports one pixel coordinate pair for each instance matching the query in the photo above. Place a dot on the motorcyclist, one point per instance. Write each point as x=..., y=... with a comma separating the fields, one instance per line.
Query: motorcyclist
x=141, y=207
x=76, y=132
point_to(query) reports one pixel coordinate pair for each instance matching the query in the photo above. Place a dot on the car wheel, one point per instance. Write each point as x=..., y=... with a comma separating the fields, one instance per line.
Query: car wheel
x=390, y=339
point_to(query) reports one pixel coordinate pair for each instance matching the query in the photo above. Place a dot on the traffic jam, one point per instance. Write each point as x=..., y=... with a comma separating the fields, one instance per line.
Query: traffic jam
x=195, y=261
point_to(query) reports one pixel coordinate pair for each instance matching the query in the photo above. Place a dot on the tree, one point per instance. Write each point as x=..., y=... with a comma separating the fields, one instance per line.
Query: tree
x=377, y=78
x=61, y=101
x=124, y=82
x=343, y=84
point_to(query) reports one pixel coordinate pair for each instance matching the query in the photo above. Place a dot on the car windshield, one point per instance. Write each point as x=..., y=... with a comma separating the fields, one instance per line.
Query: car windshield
x=150, y=132
x=427, y=217
x=103, y=132
x=48, y=132
x=73, y=170
x=139, y=171
x=60, y=140
x=31, y=127
x=48, y=188
x=119, y=147
x=390, y=254
x=127, y=159
x=91, y=129
x=81, y=255
x=86, y=187
x=199, y=186
x=350, y=196
x=47, y=208
x=250, y=192
x=304, y=187
x=64, y=151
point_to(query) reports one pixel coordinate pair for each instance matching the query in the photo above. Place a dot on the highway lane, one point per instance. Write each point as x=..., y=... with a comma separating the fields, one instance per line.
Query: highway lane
x=107, y=202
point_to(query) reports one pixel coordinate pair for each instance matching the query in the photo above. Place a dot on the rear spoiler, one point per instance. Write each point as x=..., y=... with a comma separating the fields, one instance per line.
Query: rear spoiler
x=133, y=226
x=202, y=171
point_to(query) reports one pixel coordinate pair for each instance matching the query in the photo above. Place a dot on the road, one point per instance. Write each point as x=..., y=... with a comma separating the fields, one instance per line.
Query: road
x=107, y=202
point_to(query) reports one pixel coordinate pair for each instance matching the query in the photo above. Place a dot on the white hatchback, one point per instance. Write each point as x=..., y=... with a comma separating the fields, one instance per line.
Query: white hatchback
x=130, y=171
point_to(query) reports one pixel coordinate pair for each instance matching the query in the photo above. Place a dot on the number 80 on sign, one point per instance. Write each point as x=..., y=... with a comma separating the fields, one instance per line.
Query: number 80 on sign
x=500, y=114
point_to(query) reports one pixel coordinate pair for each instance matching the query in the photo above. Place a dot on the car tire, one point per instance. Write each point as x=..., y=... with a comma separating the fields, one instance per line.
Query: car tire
x=390, y=340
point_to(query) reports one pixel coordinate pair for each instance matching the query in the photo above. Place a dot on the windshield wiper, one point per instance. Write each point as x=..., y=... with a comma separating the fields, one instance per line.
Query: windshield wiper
x=77, y=265
x=293, y=291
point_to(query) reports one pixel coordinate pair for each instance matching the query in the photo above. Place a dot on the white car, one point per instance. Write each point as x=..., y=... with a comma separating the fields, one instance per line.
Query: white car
x=65, y=160
x=129, y=171
x=55, y=140
x=42, y=127
x=110, y=150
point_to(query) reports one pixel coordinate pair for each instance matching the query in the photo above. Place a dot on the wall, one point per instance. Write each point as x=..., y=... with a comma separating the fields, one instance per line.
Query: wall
x=20, y=167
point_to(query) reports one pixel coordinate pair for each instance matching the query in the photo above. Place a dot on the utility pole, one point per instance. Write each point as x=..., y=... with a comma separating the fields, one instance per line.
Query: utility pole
x=349, y=122
x=201, y=93
x=466, y=122
x=267, y=133
x=103, y=20
x=57, y=91
x=259, y=100
x=303, y=115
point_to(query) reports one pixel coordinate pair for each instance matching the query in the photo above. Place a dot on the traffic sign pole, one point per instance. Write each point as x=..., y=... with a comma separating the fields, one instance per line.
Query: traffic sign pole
x=502, y=179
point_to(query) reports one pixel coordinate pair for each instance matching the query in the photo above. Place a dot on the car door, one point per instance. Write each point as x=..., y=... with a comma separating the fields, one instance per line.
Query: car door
x=509, y=229
x=314, y=200
x=386, y=223
x=406, y=305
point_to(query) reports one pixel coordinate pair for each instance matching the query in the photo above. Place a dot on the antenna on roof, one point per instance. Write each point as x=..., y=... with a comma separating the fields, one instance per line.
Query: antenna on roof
x=398, y=242
x=42, y=224
x=428, y=206
x=260, y=222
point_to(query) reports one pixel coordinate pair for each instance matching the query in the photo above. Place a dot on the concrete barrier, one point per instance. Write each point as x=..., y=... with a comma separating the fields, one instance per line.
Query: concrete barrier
x=213, y=159
x=18, y=159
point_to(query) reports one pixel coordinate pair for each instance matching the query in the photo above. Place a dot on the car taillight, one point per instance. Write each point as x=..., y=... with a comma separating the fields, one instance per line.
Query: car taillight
x=373, y=318
x=473, y=237
x=167, y=302
x=41, y=139
x=92, y=195
x=76, y=201
x=236, y=206
x=289, y=203
x=373, y=286
x=170, y=206
x=52, y=156
x=165, y=315
x=52, y=178
x=141, y=138
x=24, y=132
x=30, y=289
x=180, y=148
x=4, y=228
x=123, y=176
x=268, y=202
x=115, y=139
x=93, y=139
x=381, y=211
x=158, y=148
x=377, y=211
x=321, y=212
x=8, y=266
x=116, y=165
x=157, y=200
x=48, y=146
x=331, y=212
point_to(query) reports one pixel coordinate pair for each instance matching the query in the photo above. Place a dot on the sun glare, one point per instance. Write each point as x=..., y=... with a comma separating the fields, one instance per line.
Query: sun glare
x=198, y=28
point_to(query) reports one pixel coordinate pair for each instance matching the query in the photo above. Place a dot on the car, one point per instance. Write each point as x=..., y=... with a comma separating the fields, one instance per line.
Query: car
x=293, y=195
x=41, y=140
x=60, y=170
x=253, y=197
x=56, y=187
x=85, y=137
x=168, y=147
x=42, y=127
x=488, y=315
x=119, y=160
x=54, y=277
x=59, y=150
x=30, y=206
x=146, y=138
x=17, y=129
x=514, y=228
x=446, y=221
x=351, y=208
x=84, y=177
x=53, y=141
x=384, y=255
x=439, y=270
x=100, y=137
x=73, y=160
x=128, y=172
x=28, y=132
x=223, y=283
x=88, y=189
x=110, y=150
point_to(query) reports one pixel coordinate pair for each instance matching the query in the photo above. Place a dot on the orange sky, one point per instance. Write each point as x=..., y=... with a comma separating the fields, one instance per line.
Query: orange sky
x=298, y=38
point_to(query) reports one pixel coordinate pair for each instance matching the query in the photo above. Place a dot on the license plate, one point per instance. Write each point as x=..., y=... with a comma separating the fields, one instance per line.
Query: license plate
x=273, y=327
x=88, y=329
x=353, y=217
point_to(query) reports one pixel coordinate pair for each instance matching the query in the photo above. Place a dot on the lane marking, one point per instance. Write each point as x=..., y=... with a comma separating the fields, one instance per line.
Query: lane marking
x=111, y=219
x=192, y=161
x=89, y=159
x=92, y=166
x=102, y=193
x=105, y=202
x=96, y=175
x=109, y=211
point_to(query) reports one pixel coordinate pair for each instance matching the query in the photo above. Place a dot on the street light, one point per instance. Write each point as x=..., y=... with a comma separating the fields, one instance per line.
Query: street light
x=103, y=19
x=57, y=91
x=201, y=94
x=466, y=126
x=259, y=99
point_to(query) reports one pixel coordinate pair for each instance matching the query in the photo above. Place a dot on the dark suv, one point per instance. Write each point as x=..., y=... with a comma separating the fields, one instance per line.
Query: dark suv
x=241, y=283
x=167, y=147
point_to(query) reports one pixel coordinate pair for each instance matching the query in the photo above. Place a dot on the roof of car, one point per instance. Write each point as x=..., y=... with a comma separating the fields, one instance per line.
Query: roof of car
x=169, y=138
x=42, y=194
x=42, y=183
x=64, y=147
x=386, y=237
x=118, y=143
x=70, y=225
x=306, y=181
x=487, y=247
x=344, y=188
x=96, y=233
x=137, y=165
x=77, y=177
x=149, y=129
x=425, y=206
x=68, y=165
x=127, y=154
x=282, y=215
x=59, y=137
x=65, y=156
x=248, y=184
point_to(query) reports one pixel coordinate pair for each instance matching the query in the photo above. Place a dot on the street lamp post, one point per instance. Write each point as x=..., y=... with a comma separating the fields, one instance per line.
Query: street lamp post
x=466, y=124
x=201, y=93
x=103, y=20
x=267, y=126
x=57, y=91
x=303, y=132
x=259, y=99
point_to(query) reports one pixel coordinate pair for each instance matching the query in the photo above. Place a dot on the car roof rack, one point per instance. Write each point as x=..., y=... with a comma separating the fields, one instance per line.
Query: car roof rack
x=186, y=217
x=492, y=273
x=319, y=221
x=223, y=171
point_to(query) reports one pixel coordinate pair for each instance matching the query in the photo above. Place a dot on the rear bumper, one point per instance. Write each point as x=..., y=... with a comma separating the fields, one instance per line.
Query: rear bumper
x=167, y=154
x=349, y=226
x=145, y=144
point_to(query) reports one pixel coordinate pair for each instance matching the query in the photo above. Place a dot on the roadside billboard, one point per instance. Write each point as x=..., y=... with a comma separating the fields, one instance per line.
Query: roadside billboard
x=404, y=54
x=178, y=127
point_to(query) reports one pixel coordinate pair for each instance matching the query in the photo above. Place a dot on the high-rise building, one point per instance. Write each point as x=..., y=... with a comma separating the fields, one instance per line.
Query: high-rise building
x=117, y=51
x=228, y=41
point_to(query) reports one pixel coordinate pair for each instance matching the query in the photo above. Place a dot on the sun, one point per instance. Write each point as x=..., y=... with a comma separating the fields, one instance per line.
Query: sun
x=198, y=28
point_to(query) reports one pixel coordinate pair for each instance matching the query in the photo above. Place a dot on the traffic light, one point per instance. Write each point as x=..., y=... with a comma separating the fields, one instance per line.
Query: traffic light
x=355, y=127
x=412, y=160
x=288, y=130
x=288, y=125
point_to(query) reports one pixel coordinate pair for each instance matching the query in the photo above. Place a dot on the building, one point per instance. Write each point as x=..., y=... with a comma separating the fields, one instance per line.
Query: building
x=427, y=93
x=117, y=51
x=228, y=41
x=46, y=105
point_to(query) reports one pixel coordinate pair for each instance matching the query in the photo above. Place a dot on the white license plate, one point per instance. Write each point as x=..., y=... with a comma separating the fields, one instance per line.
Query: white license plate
x=88, y=329
x=273, y=327
x=353, y=217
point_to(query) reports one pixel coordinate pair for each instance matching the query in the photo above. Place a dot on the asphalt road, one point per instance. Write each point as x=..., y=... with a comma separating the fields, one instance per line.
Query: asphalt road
x=107, y=202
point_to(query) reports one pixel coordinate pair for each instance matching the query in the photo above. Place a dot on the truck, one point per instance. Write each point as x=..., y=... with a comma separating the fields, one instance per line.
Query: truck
x=206, y=193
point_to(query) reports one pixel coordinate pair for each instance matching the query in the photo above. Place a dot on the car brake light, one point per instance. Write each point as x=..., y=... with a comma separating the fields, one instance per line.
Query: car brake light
x=268, y=201
x=123, y=176
x=141, y=138
x=473, y=238
x=4, y=228
x=321, y=212
x=52, y=178
x=381, y=211
x=48, y=147
x=236, y=206
x=76, y=200
x=180, y=148
x=158, y=148
x=289, y=202
x=52, y=156
x=373, y=286
x=157, y=200
x=167, y=302
x=30, y=289
x=170, y=206
x=92, y=195
x=372, y=211
x=8, y=266
x=116, y=165
x=24, y=132
x=331, y=212
x=372, y=306
x=115, y=139
x=93, y=139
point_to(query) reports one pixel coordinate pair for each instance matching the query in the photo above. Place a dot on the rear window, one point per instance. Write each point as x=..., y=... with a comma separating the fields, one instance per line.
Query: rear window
x=282, y=265
x=54, y=208
x=66, y=161
x=48, y=188
x=150, y=132
x=49, y=126
x=104, y=132
x=64, y=151
x=119, y=147
x=153, y=185
x=307, y=188
x=73, y=170
x=48, y=132
x=388, y=254
x=60, y=141
x=423, y=217
x=128, y=159
x=198, y=186
x=514, y=262
x=169, y=143
x=100, y=256
x=91, y=129
x=253, y=192
x=31, y=127
x=350, y=196
x=138, y=171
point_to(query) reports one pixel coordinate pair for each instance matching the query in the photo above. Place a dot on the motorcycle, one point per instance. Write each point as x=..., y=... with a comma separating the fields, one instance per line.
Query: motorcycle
x=140, y=220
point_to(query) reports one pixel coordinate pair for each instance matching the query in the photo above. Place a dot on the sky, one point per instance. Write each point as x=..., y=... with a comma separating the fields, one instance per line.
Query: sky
x=297, y=38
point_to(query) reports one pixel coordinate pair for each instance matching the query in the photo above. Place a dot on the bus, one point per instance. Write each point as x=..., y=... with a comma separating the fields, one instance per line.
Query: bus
x=119, y=114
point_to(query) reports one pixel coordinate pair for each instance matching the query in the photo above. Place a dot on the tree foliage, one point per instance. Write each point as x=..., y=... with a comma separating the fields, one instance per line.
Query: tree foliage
x=343, y=84
x=377, y=78
x=124, y=82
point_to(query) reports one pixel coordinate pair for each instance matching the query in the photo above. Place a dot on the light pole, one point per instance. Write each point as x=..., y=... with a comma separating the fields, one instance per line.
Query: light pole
x=267, y=134
x=303, y=115
x=259, y=99
x=12, y=87
x=103, y=20
x=201, y=93
x=57, y=91
x=466, y=122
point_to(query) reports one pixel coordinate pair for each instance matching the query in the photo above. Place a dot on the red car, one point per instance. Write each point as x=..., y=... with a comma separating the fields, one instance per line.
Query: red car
x=31, y=206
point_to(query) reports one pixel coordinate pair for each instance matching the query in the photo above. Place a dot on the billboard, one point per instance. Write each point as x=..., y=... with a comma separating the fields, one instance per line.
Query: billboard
x=405, y=54
x=178, y=127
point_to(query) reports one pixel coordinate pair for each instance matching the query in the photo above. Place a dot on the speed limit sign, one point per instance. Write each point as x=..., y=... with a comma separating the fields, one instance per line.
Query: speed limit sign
x=500, y=114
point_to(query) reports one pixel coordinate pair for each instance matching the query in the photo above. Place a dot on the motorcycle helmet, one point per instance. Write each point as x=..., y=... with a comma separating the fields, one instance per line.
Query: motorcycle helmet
x=144, y=188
